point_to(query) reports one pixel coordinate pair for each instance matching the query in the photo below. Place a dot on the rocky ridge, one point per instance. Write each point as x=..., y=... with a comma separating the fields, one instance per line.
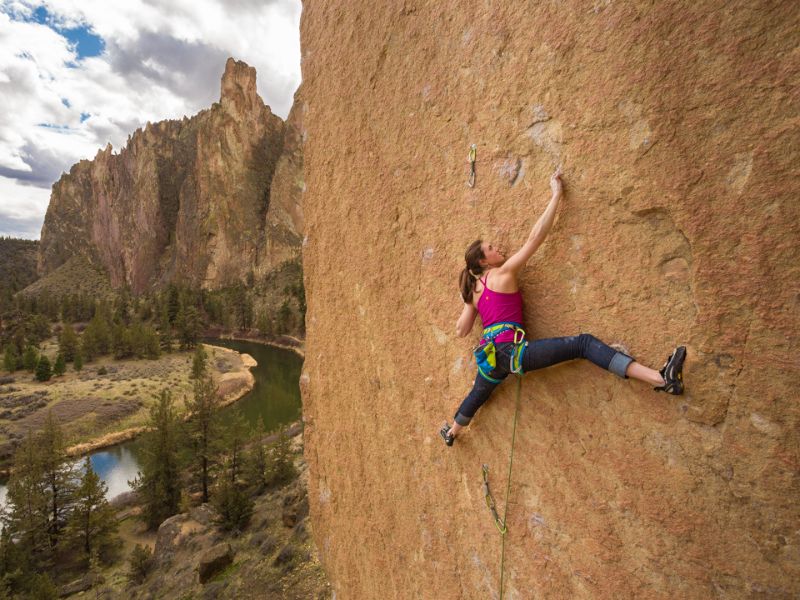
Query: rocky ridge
x=206, y=201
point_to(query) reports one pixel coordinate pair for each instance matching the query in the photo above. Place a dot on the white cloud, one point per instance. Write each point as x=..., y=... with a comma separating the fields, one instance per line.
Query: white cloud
x=162, y=59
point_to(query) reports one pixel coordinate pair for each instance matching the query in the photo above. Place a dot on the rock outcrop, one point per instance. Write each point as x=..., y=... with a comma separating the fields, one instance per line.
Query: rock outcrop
x=676, y=126
x=187, y=201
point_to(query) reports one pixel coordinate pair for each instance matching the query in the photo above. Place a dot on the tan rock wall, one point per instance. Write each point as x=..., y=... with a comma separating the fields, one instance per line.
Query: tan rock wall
x=676, y=125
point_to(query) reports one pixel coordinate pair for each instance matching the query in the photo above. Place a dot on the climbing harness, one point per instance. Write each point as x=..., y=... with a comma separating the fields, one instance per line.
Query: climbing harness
x=502, y=526
x=486, y=352
x=473, y=150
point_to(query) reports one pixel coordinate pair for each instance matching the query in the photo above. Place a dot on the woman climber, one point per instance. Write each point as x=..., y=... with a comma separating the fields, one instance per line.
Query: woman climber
x=489, y=289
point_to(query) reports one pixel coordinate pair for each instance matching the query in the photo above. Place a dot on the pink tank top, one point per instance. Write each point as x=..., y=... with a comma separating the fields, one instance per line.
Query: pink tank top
x=497, y=307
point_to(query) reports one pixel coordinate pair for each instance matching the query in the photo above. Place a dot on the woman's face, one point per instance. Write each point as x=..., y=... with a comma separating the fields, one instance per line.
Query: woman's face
x=493, y=257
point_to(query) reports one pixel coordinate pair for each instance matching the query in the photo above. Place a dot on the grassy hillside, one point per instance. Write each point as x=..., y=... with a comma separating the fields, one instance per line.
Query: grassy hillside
x=76, y=276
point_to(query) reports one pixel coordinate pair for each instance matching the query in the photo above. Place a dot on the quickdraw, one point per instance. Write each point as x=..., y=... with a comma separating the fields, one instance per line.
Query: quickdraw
x=473, y=151
x=487, y=494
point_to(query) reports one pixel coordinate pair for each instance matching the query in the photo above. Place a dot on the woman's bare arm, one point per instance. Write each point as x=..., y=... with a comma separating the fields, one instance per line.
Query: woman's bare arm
x=466, y=320
x=540, y=230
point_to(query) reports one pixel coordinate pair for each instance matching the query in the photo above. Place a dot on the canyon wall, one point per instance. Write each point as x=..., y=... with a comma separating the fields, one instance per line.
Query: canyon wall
x=677, y=128
x=191, y=201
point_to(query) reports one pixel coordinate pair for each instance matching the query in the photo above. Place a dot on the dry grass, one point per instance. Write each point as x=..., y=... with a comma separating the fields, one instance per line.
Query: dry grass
x=96, y=410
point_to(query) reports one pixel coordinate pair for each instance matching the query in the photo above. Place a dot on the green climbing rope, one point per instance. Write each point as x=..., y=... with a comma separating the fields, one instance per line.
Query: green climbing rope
x=502, y=526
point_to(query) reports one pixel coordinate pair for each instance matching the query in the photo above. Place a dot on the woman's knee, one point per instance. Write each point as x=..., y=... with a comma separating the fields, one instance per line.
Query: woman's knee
x=585, y=341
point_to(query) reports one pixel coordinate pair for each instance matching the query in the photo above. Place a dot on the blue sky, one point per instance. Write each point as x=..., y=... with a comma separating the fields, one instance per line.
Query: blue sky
x=76, y=75
x=86, y=42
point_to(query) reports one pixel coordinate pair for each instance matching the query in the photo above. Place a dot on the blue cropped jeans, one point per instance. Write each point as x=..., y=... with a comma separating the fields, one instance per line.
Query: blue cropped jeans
x=538, y=355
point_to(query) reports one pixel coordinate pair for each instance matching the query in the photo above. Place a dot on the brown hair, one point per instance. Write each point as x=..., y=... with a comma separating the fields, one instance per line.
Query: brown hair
x=473, y=270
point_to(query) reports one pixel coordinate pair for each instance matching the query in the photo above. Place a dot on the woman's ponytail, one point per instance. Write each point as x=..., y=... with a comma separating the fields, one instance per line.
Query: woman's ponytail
x=472, y=272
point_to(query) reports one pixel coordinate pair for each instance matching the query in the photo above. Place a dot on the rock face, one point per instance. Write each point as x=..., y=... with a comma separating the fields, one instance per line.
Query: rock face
x=677, y=130
x=188, y=201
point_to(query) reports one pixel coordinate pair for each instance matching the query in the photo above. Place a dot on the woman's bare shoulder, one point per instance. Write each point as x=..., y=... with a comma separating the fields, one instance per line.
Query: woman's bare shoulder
x=503, y=281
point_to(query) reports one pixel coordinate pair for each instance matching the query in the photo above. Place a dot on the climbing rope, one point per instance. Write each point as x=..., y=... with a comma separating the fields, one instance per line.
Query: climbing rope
x=502, y=526
x=473, y=150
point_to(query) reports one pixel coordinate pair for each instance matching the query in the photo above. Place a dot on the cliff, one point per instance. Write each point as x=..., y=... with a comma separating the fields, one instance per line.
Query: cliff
x=186, y=201
x=676, y=127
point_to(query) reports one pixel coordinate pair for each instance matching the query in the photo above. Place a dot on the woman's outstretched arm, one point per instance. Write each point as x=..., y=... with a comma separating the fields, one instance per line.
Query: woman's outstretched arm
x=540, y=230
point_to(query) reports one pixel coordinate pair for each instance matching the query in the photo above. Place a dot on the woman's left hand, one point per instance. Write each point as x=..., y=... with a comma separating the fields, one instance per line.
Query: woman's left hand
x=555, y=182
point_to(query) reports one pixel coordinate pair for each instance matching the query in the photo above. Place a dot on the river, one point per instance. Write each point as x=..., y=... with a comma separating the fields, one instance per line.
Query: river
x=273, y=401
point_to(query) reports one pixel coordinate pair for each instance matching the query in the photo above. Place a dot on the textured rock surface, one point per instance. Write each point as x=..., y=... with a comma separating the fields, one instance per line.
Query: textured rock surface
x=184, y=201
x=676, y=125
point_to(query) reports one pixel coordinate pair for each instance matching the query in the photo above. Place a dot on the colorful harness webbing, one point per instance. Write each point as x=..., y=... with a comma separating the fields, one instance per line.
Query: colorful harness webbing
x=486, y=353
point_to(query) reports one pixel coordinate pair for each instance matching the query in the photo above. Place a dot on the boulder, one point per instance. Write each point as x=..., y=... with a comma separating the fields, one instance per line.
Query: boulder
x=83, y=584
x=203, y=514
x=213, y=560
x=168, y=539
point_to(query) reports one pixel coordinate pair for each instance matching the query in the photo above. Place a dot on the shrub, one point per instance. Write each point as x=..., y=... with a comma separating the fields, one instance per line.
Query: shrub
x=280, y=462
x=140, y=563
x=60, y=367
x=102, y=371
x=233, y=505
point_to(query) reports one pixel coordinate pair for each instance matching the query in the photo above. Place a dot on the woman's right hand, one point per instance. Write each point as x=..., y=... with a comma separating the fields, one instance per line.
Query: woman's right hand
x=555, y=182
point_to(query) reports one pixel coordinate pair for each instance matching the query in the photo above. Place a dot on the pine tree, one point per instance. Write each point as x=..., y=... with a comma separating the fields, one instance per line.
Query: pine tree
x=43, y=370
x=27, y=515
x=59, y=476
x=255, y=465
x=230, y=498
x=158, y=481
x=122, y=308
x=89, y=346
x=285, y=320
x=78, y=363
x=93, y=524
x=15, y=566
x=41, y=587
x=188, y=325
x=10, y=358
x=199, y=361
x=139, y=563
x=203, y=431
x=136, y=336
x=60, y=367
x=121, y=341
x=233, y=504
x=173, y=303
x=165, y=331
x=30, y=359
x=97, y=335
x=68, y=343
x=152, y=346
x=280, y=464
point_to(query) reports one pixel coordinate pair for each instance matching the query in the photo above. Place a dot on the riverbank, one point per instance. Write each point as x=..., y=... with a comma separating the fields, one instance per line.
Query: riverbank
x=108, y=402
x=284, y=342
x=232, y=386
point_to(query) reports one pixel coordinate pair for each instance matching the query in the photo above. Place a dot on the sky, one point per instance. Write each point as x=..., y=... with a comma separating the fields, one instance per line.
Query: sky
x=76, y=75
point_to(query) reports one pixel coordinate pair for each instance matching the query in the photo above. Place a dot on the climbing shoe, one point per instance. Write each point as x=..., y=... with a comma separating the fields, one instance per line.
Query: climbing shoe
x=448, y=437
x=672, y=372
